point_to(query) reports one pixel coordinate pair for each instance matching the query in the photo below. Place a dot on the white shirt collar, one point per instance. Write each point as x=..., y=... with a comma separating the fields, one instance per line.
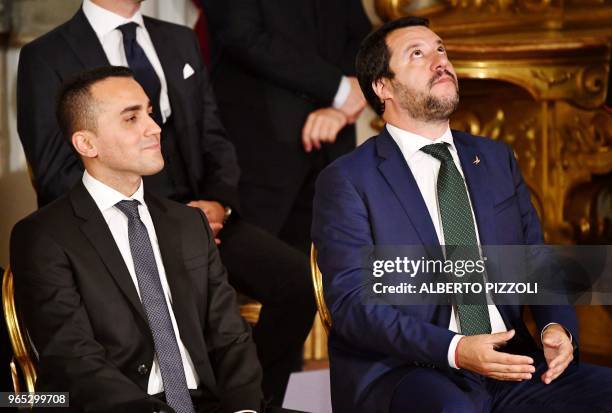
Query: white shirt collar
x=410, y=143
x=104, y=21
x=106, y=197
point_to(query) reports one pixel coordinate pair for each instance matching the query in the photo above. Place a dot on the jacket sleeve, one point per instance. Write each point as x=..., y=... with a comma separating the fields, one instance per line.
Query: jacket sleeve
x=358, y=27
x=228, y=337
x=340, y=231
x=70, y=358
x=55, y=167
x=240, y=28
x=221, y=175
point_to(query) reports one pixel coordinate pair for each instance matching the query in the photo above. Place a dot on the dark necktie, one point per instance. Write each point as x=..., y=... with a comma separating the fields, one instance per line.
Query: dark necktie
x=143, y=70
x=154, y=303
x=459, y=237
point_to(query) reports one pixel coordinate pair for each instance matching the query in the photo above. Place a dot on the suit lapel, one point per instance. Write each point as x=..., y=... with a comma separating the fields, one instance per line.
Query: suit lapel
x=80, y=37
x=96, y=230
x=474, y=165
x=399, y=177
x=172, y=65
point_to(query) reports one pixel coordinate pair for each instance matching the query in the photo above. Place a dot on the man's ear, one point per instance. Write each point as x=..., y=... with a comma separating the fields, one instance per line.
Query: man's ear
x=382, y=88
x=84, y=143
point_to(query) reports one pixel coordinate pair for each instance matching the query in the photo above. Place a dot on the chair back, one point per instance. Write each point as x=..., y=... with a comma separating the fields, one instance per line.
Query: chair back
x=317, y=283
x=20, y=342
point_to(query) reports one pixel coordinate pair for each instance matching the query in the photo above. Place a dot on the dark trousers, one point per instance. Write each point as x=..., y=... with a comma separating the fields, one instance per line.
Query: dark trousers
x=278, y=276
x=581, y=388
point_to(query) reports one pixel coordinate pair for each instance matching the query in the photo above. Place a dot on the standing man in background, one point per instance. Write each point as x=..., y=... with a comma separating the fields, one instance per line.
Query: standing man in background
x=200, y=163
x=284, y=74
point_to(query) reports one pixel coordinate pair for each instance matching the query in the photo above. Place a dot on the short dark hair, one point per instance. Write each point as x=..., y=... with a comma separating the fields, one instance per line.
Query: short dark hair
x=75, y=109
x=373, y=57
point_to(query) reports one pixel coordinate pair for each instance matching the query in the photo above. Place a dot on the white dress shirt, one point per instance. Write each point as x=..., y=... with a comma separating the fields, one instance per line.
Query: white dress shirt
x=343, y=92
x=105, y=25
x=105, y=198
x=425, y=170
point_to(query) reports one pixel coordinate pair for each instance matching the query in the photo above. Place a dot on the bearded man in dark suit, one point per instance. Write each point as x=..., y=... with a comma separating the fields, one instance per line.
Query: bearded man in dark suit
x=449, y=194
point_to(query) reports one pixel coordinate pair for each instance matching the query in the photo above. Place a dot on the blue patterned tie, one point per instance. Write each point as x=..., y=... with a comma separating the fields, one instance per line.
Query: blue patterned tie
x=154, y=303
x=143, y=70
x=459, y=237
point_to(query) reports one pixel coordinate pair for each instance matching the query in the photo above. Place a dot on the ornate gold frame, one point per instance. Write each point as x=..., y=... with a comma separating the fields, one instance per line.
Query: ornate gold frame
x=21, y=348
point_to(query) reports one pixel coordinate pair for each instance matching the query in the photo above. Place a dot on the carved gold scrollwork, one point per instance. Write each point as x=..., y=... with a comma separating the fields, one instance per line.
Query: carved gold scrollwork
x=521, y=136
x=467, y=121
x=503, y=5
x=536, y=5
x=585, y=86
x=593, y=79
x=587, y=138
x=553, y=79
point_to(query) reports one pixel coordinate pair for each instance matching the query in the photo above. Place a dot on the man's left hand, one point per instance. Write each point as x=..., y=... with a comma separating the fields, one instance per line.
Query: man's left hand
x=558, y=351
x=215, y=213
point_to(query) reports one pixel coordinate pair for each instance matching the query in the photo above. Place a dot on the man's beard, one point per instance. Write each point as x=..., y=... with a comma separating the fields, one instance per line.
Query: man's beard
x=425, y=106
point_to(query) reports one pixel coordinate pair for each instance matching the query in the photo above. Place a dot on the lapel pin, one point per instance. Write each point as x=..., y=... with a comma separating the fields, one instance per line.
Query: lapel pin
x=476, y=160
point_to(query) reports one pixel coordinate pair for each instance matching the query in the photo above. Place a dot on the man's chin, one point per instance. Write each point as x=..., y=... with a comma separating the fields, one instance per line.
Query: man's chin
x=446, y=92
x=153, y=169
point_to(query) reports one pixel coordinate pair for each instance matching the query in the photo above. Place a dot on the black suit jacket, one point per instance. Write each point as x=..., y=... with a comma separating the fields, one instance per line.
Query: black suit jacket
x=274, y=62
x=84, y=315
x=210, y=159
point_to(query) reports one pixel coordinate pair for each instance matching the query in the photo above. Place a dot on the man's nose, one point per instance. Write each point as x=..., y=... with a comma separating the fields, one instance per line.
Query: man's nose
x=440, y=62
x=152, y=128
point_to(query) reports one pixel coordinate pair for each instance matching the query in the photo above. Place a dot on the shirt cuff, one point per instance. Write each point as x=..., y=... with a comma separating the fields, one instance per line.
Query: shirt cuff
x=550, y=324
x=452, y=349
x=344, y=89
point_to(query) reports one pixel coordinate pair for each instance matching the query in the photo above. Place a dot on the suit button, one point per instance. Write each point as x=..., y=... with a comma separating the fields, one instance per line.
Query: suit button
x=142, y=369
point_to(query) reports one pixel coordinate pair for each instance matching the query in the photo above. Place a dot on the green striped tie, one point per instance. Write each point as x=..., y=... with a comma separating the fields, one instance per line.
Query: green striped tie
x=460, y=238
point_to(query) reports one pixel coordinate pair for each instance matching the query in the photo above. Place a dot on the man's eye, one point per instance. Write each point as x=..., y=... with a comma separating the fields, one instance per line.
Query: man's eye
x=417, y=53
x=131, y=119
x=442, y=49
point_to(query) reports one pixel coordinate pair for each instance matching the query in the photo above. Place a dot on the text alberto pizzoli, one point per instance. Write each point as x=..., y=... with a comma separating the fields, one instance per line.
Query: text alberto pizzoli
x=457, y=268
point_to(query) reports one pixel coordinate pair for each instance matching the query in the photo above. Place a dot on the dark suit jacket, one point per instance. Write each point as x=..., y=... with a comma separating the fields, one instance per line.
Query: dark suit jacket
x=370, y=197
x=274, y=62
x=84, y=315
x=45, y=63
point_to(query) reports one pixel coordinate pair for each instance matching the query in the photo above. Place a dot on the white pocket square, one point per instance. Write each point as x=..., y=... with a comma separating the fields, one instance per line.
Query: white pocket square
x=187, y=71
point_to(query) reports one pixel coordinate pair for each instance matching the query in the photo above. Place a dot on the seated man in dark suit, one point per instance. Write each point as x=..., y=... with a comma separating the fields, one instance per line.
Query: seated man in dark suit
x=420, y=184
x=200, y=163
x=123, y=292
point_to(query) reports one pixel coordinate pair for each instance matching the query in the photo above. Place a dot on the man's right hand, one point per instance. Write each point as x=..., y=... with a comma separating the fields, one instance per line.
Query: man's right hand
x=355, y=102
x=214, y=212
x=322, y=125
x=478, y=354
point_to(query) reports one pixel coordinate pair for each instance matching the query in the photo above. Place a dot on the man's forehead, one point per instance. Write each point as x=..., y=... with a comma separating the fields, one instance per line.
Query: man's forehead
x=118, y=90
x=407, y=36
